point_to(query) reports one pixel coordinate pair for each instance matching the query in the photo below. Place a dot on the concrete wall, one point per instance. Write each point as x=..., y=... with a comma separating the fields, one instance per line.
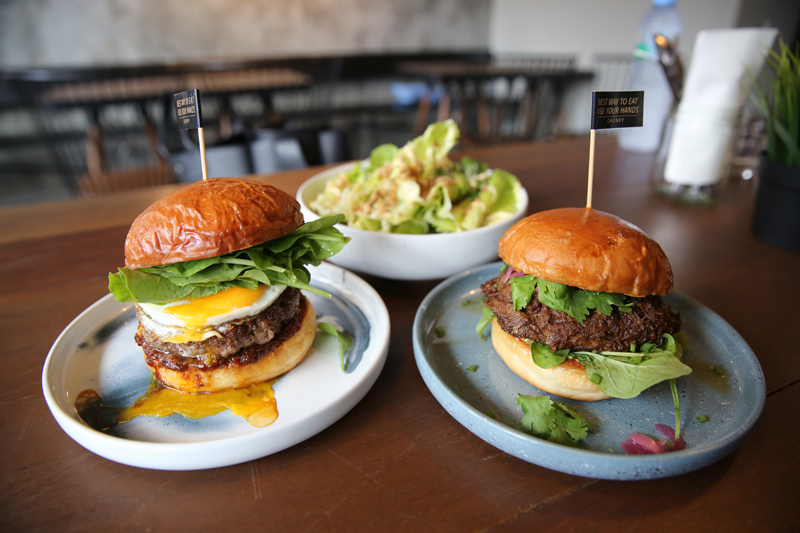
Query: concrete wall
x=585, y=28
x=588, y=28
x=47, y=33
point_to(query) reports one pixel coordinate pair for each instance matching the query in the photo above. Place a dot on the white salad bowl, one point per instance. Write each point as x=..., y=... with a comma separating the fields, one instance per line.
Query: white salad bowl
x=406, y=256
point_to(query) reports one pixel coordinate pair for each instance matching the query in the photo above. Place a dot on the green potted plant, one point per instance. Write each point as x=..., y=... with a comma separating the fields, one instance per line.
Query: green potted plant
x=776, y=218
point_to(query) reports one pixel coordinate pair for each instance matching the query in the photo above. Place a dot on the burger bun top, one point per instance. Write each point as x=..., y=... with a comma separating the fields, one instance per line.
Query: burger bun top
x=210, y=218
x=588, y=249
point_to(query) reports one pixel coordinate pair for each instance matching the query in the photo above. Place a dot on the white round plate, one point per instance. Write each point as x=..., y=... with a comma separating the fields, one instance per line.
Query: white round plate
x=405, y=256
x=97, y=351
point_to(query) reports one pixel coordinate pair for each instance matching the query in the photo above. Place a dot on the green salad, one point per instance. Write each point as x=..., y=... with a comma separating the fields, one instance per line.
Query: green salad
x=419, y=189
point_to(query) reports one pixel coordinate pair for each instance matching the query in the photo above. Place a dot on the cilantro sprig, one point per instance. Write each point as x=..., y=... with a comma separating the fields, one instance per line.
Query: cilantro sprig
x=487, y=317
x=551, y=420
x=571, y=300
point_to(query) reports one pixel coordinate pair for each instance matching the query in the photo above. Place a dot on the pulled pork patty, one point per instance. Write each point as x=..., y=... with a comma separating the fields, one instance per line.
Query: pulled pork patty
x=648, y=320
x=235, y=336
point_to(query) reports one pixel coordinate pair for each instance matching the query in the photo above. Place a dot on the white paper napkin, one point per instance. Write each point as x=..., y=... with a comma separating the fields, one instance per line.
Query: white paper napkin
x=707, y=116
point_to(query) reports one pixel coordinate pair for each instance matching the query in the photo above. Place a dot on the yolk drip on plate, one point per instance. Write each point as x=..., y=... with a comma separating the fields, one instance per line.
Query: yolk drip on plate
x=255, y=403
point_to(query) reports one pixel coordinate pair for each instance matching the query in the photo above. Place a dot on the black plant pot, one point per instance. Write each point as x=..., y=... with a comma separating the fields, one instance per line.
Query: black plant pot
x=776, y=219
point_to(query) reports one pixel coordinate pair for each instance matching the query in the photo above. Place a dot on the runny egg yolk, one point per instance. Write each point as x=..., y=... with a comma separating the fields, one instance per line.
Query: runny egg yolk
x=255, y=403
x=197, y=312
x=195, y=320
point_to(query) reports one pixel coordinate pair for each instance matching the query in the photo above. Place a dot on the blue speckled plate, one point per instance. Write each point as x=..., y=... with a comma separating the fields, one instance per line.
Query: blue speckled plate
x=732, y=403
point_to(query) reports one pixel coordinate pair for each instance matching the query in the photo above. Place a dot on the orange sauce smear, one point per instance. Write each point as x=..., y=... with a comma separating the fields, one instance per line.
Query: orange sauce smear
x=256, y=404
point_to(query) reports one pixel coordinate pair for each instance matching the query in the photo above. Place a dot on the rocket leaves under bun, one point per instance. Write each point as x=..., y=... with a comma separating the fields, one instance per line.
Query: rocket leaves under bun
x=280, y=261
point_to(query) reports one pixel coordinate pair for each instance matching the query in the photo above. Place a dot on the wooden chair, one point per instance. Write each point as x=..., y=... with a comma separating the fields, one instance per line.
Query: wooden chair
x=100, y=180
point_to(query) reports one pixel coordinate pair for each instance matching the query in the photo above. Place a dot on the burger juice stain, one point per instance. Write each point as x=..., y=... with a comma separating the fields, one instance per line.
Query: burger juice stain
x=715, y=376
x=255, y=403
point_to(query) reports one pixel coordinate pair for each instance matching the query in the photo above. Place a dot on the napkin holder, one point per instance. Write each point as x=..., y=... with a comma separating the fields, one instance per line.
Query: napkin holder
x=694, y=158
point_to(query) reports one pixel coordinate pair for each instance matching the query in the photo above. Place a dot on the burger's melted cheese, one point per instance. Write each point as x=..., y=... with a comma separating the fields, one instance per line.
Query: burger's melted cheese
x=255, y=403
x=194, y=320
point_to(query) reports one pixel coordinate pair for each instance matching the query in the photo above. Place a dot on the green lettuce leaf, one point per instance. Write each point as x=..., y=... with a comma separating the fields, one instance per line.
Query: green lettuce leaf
x=472, y=168
x=507, y=190
x=419, y=189
x=281, y=261
x=381, y=155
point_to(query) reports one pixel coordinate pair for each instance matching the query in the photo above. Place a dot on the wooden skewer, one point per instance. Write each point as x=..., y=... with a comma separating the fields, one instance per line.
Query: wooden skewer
x=591, y=170
x=202, y=142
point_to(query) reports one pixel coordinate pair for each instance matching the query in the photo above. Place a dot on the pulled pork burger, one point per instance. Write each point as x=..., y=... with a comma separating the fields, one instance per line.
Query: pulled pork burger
x=216, y=270
x=576, y=310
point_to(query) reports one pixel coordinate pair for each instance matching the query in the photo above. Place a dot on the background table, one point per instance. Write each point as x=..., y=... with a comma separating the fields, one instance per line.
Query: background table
x=398, y=461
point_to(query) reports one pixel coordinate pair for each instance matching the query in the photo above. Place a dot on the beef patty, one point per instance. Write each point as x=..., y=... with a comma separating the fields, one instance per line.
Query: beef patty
x=648, y=320
x=235, y=336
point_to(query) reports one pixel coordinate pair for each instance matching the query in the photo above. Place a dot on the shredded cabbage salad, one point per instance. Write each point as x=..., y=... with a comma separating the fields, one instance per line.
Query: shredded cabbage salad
x=419, y=189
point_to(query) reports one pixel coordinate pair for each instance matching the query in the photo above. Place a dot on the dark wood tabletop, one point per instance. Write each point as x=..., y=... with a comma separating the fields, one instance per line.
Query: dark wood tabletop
x=398, y=461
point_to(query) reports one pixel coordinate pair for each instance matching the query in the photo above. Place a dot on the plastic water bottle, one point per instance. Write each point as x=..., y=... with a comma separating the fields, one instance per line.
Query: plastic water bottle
x=647, y=75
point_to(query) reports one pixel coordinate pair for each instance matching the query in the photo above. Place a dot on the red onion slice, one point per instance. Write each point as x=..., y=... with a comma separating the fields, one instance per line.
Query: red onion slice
x=639, y=444
x=511, y=273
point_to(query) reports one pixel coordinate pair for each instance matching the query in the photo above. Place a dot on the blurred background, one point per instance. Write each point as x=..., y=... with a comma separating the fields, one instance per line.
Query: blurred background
x=85, y=85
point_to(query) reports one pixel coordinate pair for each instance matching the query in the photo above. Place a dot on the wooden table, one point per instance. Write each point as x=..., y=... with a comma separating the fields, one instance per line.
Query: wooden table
x=398, y=461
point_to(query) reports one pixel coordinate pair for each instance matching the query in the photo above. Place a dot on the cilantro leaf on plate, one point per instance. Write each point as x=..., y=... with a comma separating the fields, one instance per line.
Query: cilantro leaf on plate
x=550, y=420
x=537, y=411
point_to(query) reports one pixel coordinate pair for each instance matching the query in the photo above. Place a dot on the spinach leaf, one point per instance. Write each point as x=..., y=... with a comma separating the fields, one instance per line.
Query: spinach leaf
x=626, y=376
x=344, y=338
x=281, y=261
x=544, y=358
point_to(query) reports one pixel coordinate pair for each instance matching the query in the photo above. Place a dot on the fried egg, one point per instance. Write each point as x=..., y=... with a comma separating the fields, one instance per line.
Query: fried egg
x=195, y=320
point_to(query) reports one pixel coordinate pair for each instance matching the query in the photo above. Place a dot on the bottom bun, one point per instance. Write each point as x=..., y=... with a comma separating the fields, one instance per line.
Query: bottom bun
x=279, y=361
x=563, y=380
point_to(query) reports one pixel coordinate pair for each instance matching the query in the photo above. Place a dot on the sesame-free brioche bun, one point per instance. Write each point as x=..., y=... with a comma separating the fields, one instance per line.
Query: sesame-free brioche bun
x=210, y=218
x=285, y=357
x=588, y=249
x=565, y=380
